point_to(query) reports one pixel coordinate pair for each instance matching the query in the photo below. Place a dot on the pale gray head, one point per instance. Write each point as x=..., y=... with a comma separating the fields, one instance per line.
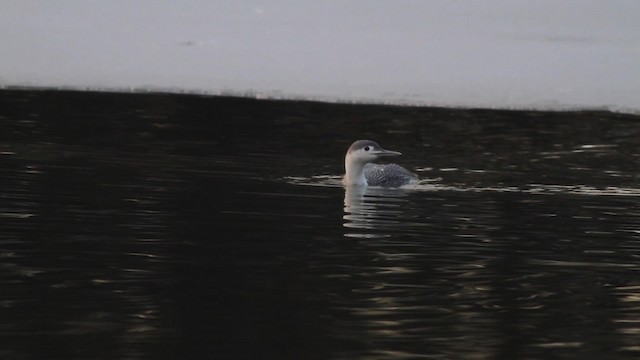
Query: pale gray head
x=366, y=151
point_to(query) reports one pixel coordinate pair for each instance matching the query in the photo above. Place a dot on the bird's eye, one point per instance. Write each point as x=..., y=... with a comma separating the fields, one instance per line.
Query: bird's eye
x=366, y=148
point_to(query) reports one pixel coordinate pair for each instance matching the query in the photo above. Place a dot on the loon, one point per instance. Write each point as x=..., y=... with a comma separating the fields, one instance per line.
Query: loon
x=359, y=169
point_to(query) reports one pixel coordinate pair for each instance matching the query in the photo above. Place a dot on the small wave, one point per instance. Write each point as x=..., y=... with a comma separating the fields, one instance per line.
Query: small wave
x=433, y=185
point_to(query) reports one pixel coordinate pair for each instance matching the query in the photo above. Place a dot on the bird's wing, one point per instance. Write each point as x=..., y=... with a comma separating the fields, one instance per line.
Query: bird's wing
x=388, y=175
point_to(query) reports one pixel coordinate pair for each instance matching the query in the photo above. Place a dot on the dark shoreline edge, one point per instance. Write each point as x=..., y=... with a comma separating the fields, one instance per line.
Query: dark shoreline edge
x=278, y=97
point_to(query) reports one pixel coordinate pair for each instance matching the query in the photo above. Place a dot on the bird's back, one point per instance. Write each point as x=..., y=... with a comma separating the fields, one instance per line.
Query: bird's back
x=392, y=175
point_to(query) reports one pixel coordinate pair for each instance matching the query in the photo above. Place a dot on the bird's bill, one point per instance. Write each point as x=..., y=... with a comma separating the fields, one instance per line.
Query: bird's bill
x=384, y=152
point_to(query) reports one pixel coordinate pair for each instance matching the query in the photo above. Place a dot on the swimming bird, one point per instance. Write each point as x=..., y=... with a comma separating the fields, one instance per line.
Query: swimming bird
x=359, y=169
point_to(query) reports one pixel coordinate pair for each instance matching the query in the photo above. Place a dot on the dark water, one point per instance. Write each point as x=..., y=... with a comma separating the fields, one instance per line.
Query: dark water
x=146, y=226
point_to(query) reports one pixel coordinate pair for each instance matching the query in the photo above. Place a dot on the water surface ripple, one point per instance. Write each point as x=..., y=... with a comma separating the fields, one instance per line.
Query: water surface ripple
x=185, y=227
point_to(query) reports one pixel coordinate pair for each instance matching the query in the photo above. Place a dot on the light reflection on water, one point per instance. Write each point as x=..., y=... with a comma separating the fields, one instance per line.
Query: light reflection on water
x=135, y=226
x=477, y=286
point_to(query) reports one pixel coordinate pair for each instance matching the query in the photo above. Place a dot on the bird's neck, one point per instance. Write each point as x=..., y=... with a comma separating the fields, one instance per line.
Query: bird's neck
x=354, y=172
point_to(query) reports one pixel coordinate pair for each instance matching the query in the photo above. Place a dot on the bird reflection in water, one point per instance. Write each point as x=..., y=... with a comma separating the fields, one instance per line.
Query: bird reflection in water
x=372, y=212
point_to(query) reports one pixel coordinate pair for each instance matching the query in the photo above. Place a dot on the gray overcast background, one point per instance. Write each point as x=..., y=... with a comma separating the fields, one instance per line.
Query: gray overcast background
x=494, y=53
